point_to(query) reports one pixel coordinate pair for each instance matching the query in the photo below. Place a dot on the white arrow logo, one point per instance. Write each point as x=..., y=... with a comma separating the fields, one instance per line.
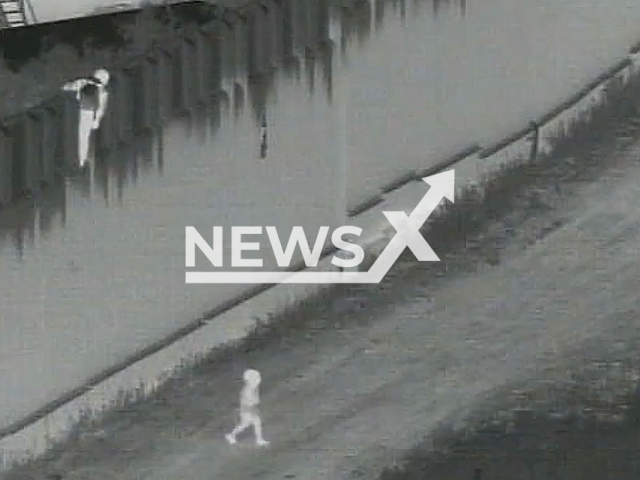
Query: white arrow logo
x=442, y=185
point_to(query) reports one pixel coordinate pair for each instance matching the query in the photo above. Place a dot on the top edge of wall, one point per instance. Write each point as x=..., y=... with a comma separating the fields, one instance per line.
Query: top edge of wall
x=573, y=99
x=413, y=176
x=501, y=144
x=398, y=182
x=449, y=161
x=563, y=106
x=365, y=205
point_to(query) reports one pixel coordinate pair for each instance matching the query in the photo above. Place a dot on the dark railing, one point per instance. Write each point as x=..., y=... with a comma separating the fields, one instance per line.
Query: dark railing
x=16, y=13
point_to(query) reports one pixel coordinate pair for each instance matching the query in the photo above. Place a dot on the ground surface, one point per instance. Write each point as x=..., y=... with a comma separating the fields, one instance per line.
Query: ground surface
x=578, y=429
x=547, y=288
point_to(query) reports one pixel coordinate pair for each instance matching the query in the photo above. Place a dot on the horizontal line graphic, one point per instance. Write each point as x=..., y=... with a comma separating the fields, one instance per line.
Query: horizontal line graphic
x=280, y=277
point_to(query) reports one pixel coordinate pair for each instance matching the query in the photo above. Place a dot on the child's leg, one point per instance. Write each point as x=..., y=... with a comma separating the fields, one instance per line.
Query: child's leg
x=257, y=425
x=245, y=422
x=84, y=135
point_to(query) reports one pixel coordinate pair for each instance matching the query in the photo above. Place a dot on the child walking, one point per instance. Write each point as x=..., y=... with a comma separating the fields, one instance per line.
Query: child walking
x=249, y=413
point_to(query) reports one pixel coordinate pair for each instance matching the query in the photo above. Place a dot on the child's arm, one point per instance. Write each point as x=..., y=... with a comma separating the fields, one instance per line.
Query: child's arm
x=249, y=397
x=102, y=108
x=75, y=86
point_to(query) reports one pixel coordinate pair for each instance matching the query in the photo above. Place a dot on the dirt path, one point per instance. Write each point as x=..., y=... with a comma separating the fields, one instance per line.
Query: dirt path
x=585, y=426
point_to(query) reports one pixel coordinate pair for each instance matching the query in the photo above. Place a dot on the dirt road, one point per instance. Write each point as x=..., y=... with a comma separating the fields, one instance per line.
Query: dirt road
x=376, y=370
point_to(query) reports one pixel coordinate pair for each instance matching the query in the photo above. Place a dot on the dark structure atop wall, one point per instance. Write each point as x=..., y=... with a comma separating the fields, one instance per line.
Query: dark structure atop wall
x=19, y=45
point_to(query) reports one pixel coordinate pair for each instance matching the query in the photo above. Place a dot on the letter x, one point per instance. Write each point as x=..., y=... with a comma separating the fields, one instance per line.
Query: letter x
x=409, y=230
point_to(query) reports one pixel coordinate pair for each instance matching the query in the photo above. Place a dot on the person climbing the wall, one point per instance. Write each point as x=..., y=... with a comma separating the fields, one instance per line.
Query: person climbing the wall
x=249, y=413
x=92, y=97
